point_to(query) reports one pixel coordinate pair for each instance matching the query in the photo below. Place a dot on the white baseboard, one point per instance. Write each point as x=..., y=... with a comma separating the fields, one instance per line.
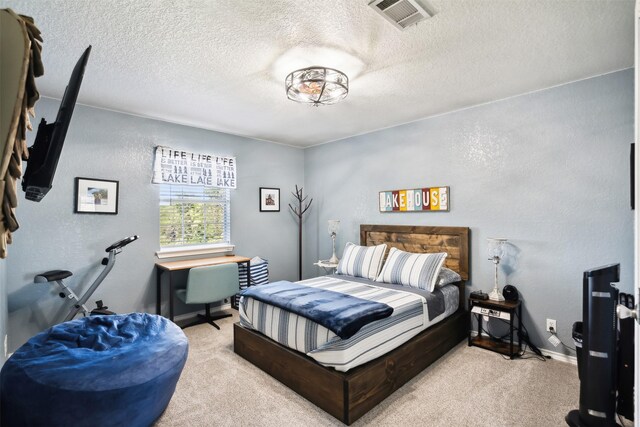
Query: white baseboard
x=552, y=354
x=560, y=356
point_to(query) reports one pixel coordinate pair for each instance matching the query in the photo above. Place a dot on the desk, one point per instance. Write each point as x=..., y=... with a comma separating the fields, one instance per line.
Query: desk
x=171, y=266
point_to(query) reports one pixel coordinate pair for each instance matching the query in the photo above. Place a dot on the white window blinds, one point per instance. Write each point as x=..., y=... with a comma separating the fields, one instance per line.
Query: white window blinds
x=194, y=215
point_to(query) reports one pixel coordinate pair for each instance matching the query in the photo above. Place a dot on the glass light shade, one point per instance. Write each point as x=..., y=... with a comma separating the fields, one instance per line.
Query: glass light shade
x=317, y=86
x=334, y=226
x=496, y=248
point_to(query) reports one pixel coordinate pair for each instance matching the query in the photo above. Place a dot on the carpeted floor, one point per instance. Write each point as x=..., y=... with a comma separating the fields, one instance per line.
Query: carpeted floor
x=468, y=386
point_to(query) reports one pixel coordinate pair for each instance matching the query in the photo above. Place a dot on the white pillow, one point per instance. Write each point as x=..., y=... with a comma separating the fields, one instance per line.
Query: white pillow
x=361, y=261
x=409, y=269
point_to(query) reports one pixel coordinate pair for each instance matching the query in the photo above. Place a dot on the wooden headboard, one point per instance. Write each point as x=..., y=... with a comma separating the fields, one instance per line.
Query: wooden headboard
x=423, y=239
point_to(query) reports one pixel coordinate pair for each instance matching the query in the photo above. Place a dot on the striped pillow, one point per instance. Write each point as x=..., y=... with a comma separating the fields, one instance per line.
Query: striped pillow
x=361, y=261
x=409, y=269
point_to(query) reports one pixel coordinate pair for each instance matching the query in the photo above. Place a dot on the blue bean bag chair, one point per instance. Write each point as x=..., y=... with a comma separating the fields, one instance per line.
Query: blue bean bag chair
x=116, y=370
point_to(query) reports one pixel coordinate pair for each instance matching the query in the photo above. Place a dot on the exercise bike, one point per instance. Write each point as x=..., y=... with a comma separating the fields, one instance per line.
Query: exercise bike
x=57, y=276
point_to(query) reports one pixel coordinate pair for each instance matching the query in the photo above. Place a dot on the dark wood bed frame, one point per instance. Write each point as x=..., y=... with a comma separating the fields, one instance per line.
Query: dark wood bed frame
x=349, y=395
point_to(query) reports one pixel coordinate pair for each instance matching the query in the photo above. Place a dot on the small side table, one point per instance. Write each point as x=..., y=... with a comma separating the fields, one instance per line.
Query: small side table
x=505, y=310
x=328, y=266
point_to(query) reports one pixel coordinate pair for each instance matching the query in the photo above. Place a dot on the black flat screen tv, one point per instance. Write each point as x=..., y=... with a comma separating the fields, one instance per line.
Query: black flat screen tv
x=45, y=151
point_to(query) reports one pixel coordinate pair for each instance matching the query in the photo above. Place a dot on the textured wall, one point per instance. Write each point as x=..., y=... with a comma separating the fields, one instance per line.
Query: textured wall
x=547, y=170
x=103, y=144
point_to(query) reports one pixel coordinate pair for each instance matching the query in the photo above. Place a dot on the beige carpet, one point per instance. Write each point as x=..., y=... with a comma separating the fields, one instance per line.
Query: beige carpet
x=468, y=386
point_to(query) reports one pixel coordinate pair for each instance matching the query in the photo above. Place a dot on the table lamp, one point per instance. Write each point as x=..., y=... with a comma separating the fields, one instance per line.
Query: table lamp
x=334, y=225
x=496, y=252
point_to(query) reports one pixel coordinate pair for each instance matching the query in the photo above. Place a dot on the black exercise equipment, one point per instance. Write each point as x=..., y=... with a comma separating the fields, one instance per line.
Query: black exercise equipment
x=57, y=276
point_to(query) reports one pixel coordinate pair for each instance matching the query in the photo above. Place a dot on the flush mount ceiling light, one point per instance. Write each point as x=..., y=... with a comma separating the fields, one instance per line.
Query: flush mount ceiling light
x=317, y=86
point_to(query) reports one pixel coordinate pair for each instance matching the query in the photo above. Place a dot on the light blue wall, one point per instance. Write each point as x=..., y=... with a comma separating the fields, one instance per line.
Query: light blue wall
x=104, y=144
x=547, y=170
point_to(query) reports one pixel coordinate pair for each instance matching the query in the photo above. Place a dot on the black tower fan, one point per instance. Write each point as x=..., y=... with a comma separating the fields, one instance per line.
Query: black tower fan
x=597, y=361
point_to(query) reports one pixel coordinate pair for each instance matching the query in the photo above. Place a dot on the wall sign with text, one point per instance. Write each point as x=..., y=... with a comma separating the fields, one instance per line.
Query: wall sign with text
x=182, y=167
x=415, y=200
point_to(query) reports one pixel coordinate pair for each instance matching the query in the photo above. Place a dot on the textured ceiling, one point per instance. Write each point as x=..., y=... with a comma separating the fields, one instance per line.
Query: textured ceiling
x=221, y=64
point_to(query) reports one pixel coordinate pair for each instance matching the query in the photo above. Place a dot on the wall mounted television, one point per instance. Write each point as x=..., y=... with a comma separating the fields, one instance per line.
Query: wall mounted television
x=45, y=151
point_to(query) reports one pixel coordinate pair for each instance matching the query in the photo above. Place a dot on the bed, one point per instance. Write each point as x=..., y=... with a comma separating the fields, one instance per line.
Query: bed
x=349, y=395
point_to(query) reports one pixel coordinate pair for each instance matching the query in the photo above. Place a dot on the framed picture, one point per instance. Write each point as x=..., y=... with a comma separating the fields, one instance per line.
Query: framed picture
x=99, y=196
x=269, y=199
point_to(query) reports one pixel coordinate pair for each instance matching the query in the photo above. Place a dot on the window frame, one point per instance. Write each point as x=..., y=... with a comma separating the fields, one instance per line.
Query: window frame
x=166, y=195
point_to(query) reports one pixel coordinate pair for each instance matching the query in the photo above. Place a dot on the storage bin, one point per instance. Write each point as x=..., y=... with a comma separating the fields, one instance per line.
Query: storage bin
x=259, y=276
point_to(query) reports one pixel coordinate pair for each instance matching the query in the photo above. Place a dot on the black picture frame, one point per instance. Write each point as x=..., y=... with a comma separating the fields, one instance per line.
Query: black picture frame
x=103, y=193
x=269, y=199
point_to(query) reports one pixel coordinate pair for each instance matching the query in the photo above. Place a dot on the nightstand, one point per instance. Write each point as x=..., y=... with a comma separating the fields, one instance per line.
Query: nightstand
x=505, y=310
x=328, y=266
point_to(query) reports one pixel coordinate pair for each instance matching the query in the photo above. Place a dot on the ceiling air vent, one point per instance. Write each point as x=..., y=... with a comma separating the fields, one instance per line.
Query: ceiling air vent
x=401, y=13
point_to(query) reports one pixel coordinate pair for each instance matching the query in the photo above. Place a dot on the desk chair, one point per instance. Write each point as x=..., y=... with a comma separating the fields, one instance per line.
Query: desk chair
x=210, y=284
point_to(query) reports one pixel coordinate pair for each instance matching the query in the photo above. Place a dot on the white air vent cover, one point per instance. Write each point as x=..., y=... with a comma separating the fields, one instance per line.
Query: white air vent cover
x=401, y=13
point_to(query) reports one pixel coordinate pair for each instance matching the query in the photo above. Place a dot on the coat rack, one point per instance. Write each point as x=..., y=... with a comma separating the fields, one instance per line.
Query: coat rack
x=299, y=211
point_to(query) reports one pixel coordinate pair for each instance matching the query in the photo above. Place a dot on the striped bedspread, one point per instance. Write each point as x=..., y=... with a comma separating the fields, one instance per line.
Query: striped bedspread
x=410, y=317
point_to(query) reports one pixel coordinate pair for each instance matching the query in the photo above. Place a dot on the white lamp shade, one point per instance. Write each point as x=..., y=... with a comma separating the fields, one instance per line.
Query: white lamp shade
x=334, y=226
x=495, y=247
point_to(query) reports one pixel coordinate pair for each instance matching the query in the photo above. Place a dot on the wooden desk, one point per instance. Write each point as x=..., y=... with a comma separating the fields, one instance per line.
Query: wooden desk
x=171, y=266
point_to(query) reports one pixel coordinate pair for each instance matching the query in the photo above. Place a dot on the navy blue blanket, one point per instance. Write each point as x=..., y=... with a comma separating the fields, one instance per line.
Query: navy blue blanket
x=342, y=314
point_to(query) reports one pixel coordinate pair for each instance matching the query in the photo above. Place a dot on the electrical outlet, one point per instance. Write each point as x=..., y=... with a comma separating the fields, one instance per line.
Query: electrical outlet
x=551, y=326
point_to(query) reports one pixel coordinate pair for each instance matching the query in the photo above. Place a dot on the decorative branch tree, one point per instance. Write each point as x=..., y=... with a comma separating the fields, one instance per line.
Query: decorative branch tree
x=299, y=211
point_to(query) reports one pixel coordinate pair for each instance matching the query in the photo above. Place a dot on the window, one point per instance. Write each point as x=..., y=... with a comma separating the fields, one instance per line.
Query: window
x=194, y=216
